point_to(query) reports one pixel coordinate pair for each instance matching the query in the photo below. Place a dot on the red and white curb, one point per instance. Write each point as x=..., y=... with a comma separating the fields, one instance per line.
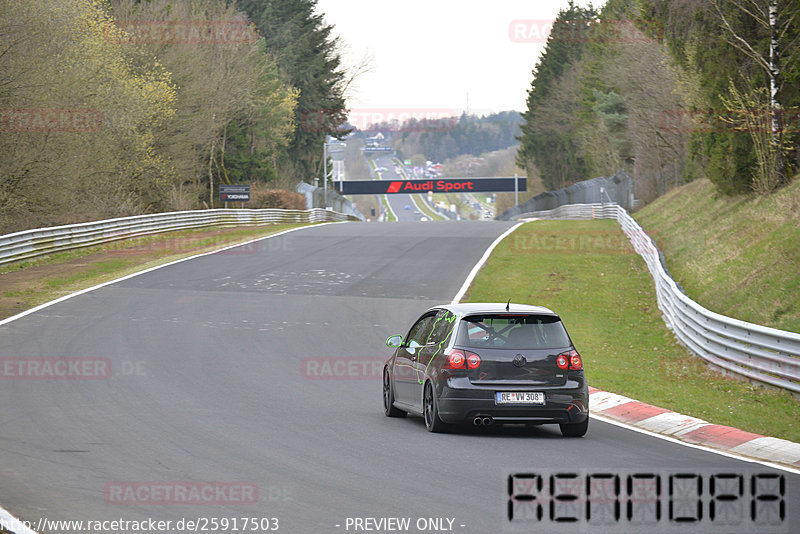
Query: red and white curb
x=693, y=430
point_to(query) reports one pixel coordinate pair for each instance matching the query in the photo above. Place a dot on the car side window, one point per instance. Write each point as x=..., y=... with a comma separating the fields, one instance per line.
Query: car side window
x=442, y=328
x=421, y=329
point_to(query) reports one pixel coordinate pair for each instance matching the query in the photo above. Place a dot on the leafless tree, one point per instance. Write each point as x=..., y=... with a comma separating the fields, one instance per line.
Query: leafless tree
x=776, y=18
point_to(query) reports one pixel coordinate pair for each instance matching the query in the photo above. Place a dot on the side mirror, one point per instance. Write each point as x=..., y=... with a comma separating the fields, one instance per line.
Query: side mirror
x=395, y=341
x=412, y=346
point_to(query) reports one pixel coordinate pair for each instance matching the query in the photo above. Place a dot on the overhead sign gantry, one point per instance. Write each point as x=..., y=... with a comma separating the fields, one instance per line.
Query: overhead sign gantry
x=444, y=185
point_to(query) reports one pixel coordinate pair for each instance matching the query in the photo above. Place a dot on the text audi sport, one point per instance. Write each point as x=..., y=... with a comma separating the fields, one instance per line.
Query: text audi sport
x=486, y=364
x=430, y=185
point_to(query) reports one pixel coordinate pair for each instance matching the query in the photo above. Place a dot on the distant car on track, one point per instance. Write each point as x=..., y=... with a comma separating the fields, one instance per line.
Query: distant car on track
x=408, y=207
x=485, y=364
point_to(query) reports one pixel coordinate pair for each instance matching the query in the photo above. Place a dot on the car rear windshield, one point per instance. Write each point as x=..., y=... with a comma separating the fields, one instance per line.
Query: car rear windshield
x=505, y=331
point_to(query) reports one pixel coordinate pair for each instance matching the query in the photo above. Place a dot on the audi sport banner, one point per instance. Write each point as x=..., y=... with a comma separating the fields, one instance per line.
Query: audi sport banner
x=452, y=185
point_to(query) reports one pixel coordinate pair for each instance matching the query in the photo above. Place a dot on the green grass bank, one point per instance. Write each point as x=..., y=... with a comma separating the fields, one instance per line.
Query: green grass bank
x=587, y=272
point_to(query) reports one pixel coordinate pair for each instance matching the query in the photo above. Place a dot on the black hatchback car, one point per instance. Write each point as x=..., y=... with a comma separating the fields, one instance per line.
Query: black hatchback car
x=485, y=364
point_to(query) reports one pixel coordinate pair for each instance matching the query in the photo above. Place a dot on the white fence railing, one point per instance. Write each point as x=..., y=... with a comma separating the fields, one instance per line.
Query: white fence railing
x=31, y=243
x=748, y=350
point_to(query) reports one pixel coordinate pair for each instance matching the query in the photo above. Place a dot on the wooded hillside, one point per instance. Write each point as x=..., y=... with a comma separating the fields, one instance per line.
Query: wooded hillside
x=124, y=107
x=669, y=91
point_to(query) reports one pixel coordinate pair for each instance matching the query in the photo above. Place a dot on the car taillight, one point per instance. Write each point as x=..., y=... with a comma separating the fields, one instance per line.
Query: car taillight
x=462, y=359
x=455, y=360
x=569, y=360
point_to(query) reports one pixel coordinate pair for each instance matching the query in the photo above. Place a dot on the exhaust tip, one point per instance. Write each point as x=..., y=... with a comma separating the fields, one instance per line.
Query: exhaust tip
x=478, y=421
x=487, y=421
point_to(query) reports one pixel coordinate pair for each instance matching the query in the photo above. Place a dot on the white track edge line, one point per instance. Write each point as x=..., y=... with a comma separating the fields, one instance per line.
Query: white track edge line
x=389, y=207
x=8, y=519
x=474, y=272
x=603, y=418
x=750, y=459
x=438, y=215
x=12, y=524
x=98, y=286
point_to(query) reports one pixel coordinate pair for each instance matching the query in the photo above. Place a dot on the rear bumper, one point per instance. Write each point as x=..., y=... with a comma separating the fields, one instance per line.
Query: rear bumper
x=459, y=401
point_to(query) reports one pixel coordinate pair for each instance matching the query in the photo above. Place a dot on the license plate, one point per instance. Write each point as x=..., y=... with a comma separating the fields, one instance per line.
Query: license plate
x=519, y=397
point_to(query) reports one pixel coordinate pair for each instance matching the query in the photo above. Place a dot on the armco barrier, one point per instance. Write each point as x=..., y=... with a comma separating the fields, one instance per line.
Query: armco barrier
x=752, y=351
x=617, y=189
x=31, y=243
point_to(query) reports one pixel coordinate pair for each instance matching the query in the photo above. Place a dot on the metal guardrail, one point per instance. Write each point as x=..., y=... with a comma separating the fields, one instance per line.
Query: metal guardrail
x=617, y=189
x=752, y=351
x=31, y=243
x=315, y=198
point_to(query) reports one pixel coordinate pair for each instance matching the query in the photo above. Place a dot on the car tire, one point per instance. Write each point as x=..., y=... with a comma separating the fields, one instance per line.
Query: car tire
x=388, y=397
x=574, y=430
x=430, y=411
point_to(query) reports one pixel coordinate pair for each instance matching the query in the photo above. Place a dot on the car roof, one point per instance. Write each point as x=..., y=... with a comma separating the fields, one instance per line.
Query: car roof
x=472, y=308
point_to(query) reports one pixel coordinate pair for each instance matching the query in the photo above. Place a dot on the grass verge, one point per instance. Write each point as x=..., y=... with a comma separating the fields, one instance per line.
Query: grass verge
x=738, y=256
x=391, y=217
x=426, y=210
x=587, y=272
x=453, y=199
x=30, y=283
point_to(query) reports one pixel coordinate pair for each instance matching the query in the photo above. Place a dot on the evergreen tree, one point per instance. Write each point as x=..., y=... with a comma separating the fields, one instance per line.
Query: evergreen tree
x=307, y=55
x=547, y=143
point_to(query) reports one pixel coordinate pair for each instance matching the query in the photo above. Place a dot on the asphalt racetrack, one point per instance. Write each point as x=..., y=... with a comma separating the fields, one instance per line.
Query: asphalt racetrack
x=258, y=368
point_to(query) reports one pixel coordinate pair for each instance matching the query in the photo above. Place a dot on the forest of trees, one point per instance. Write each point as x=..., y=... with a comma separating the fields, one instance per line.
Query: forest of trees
x=669, y=91
x=112, y=108
x=119, y=107
x=440, y=139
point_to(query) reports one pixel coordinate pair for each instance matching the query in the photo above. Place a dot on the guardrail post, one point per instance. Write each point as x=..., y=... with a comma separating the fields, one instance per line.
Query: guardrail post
x=40, y=241
x=746, y=350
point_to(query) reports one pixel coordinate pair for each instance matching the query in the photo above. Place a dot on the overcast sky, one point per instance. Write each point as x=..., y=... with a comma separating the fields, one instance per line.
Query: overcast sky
x=442, y=55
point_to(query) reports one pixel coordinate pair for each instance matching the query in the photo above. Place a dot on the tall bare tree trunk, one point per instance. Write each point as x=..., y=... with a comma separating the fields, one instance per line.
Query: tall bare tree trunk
x=211, y=173
x=222, y=155
x=774, y=85
x=767, y=18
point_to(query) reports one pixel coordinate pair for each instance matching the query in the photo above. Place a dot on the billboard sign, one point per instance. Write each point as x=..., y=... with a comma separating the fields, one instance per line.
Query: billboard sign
x=450, y=185
x=234, y=193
